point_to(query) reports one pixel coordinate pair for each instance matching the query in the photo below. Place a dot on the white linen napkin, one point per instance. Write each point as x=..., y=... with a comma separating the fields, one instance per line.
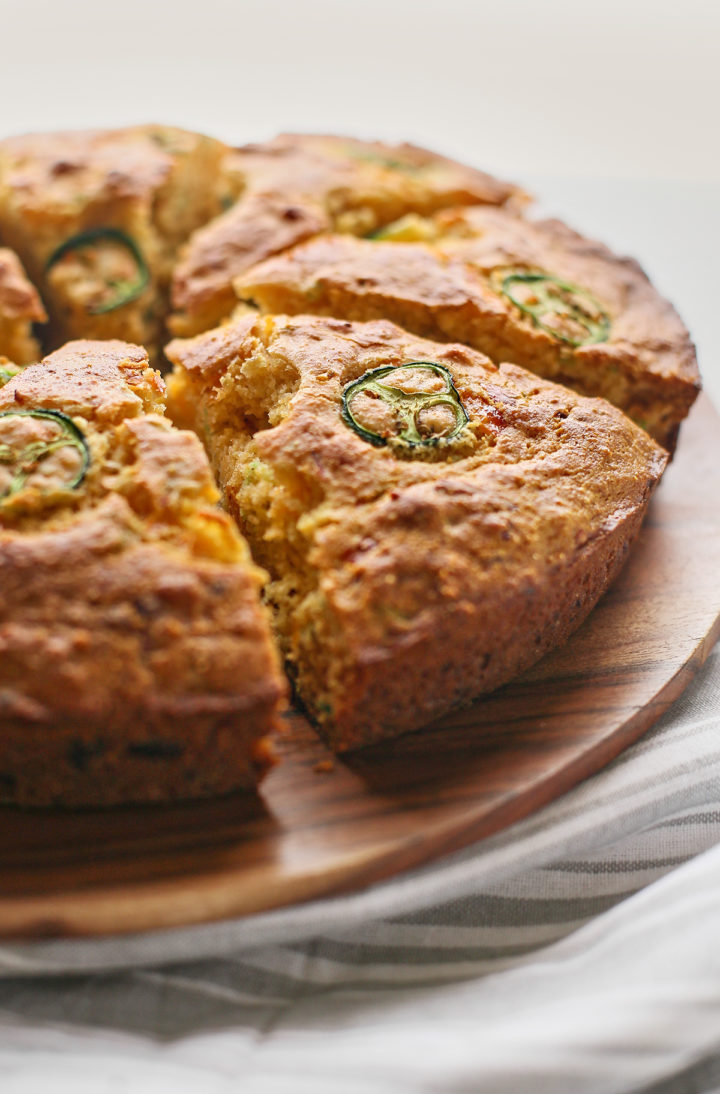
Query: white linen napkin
x=525, y=963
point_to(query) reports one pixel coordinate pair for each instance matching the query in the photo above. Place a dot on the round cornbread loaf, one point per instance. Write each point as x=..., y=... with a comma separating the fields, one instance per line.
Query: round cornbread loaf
x=432, y=522
x=136, y=662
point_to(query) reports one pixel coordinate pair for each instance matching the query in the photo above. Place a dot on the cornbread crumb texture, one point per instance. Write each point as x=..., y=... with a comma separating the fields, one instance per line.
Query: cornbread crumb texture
x=474, y=275
x=408, y=577
x=136, y=660
x=97, y=216
x=294, y=187
x=20, y=307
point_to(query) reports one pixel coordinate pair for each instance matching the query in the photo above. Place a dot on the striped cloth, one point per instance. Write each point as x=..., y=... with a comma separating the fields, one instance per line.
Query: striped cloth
x=578, y=951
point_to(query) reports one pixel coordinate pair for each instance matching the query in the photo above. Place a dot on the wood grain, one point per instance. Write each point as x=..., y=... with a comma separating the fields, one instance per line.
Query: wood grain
x=316, y=832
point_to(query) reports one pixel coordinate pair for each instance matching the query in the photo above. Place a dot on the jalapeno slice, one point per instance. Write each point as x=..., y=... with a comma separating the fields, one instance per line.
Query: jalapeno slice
x=416, y=419
x=562, y=310
x=121, y=291
x=24, y=462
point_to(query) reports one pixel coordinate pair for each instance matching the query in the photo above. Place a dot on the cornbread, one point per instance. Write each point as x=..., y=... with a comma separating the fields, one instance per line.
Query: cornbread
x=431, y=506
x=20, y=307
x=432, y=522
x=136, y=659
x=294, y=187
x=535, y=293
x=97, y=217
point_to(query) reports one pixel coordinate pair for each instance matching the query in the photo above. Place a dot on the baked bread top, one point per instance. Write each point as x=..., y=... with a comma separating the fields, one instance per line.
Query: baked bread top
x=432, y=522
x=297, y=186
x=131, y=627
x=97, y=216
x=20, y=307
x=536, y=293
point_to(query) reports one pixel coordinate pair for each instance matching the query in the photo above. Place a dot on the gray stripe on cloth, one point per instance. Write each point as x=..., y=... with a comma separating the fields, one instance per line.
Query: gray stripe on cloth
x=488, y=910
x=630, y=867
x=374, y=953
x=712, y=817
x=136, y=1002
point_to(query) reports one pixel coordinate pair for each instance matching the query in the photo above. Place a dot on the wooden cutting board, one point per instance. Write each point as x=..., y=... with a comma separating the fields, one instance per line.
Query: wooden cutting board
x=325, y=826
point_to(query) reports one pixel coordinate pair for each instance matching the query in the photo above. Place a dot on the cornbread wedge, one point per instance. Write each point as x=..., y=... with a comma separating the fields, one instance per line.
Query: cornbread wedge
x=535, y=293
x=20, y=307
x=97, y=218
x=136, y=659
x=432, y=522
x=294, y=187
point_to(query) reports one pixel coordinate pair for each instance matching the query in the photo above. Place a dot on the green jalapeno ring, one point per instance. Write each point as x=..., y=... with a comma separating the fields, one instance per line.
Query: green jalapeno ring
x=408, y=404
x=598, y=329
x=71, y=436
x=409, y=408
x=125, y=291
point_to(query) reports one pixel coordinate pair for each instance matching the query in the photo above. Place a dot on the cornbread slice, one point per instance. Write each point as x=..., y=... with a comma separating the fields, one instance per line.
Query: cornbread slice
x=97, y=217
x=432, y=523
x=8, y=369
x=136, y=662
x=296, y=186
x=20, y=307
x=535, y=293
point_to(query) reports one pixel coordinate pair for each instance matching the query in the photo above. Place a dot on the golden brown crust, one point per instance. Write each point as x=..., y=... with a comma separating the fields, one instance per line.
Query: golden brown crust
x=135, y=658
x=20, y=307
x=296, y=186
x=371, y=182
x=403, y=586
x=451, y=288
x=103, y=381
x=156, y=184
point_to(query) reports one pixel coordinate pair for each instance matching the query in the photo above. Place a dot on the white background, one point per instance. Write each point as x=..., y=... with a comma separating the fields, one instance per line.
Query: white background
x=608, y=109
